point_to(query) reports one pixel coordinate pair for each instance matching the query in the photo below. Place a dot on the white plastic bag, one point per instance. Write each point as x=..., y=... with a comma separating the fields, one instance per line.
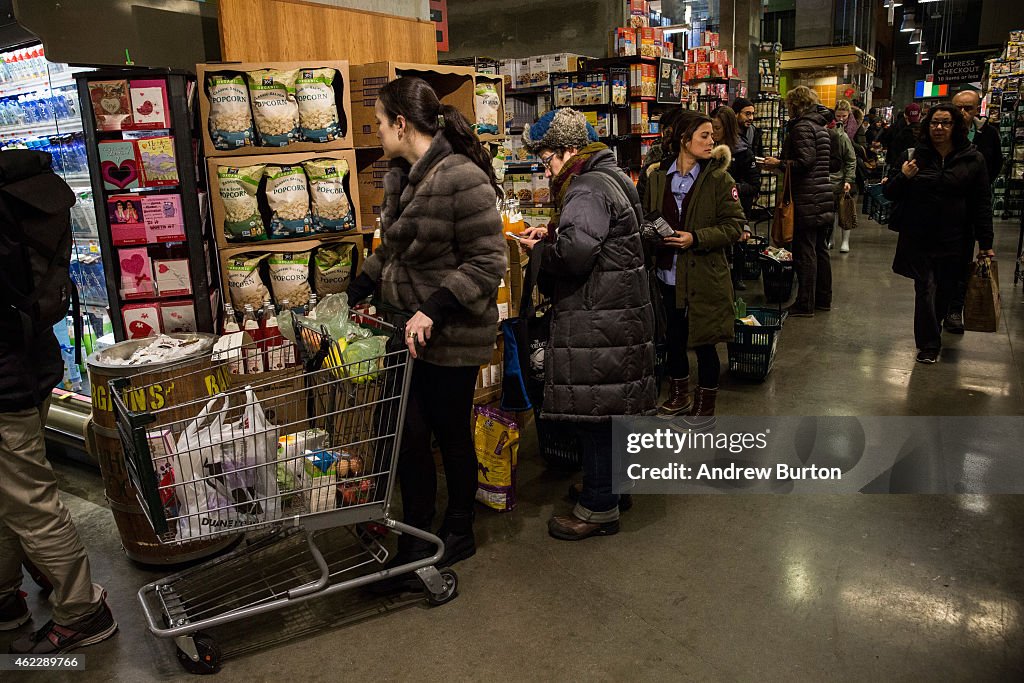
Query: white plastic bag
x=226, y=473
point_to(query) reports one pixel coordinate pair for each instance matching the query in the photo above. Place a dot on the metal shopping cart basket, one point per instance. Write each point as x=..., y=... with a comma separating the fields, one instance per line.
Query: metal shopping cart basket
x=287, y=456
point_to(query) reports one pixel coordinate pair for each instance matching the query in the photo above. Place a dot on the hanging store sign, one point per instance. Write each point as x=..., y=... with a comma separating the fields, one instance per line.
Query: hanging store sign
x=963, y=68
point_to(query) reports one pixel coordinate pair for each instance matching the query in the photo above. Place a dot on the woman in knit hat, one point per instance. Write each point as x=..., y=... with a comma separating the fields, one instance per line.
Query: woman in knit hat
x=599, y=361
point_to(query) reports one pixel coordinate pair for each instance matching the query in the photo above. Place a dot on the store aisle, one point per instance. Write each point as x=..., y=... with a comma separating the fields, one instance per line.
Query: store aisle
x=703, y=588
x=858, y=359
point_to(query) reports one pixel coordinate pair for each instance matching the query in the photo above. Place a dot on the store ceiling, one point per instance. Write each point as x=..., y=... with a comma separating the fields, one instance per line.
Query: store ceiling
x=962, y=19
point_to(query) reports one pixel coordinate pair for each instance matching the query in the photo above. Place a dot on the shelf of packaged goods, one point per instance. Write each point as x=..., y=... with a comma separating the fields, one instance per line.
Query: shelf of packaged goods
x=532, y=90
x=490, y=137
x=42, y=129
x=29, y=85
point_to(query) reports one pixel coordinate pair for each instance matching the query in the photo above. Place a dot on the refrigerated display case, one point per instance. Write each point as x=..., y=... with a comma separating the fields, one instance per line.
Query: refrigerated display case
x=39, y=109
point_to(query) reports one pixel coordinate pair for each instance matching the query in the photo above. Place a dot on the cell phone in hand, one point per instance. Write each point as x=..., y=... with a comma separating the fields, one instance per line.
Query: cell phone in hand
x=661, y=226
x=759, y=160
x=514, y=235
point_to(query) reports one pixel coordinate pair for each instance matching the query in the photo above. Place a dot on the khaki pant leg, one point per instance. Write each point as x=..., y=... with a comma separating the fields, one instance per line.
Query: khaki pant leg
x=31, y=510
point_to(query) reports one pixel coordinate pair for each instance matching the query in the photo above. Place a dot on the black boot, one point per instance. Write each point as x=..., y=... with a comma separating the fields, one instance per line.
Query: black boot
x=457, y=534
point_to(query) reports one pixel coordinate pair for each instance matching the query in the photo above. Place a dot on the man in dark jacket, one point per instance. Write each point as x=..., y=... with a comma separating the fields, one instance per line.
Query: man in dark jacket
x=905, y=137
x=34, y=524
x=751, y=137
x=986, y=139
x=807, y=150
x=599, y=361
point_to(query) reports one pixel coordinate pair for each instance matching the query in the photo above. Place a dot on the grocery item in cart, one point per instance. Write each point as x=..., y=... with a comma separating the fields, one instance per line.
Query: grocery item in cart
x=289, y=277
x=237, y=187
x=291, y=450
x=363, y=358
x=496, y=436
x=318, y=111
x=274, y=108
x=288, y=196
x=244, y=281
x=230, y=119
x=332, y=210
x=226, y=471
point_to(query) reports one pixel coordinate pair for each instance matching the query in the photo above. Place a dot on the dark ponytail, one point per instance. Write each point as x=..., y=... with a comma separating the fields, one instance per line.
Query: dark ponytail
x=414, y=99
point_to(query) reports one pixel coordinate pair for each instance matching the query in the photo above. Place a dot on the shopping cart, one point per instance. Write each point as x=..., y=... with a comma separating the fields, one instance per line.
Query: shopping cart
x=292, y=454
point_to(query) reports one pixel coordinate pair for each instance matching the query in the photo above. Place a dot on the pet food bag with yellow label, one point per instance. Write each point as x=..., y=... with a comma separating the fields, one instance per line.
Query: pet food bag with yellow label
x=496, y=436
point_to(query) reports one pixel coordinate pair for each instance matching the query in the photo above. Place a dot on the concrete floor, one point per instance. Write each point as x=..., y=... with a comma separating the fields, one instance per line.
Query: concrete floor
x=703, y=588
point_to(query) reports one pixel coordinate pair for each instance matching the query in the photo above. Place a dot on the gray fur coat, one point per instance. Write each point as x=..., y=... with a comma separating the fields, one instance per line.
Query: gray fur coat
x=440, y=229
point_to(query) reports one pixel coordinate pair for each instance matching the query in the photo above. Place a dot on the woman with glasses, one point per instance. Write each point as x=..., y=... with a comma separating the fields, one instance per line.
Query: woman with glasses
x=599, y=359
x=944, y=203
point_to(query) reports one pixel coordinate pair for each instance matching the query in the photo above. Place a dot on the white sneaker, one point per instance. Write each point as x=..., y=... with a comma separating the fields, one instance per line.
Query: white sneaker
x=844, y=248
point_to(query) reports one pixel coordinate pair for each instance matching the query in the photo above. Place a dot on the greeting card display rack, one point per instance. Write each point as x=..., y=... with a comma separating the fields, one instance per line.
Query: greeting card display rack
x=139, y=127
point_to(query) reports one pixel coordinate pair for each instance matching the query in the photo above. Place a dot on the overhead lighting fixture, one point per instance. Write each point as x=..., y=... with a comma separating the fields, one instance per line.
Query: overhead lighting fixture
x=915, y=37
x=909, y=23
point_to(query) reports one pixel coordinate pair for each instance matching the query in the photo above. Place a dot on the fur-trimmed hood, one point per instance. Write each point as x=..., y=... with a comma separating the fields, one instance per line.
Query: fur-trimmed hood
x=721, y=157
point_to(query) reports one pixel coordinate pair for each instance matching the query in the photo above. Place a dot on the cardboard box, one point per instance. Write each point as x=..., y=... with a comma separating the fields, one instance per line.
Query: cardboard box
x=622, y=42
x=703, y=70
x=372, y=166
x=541, y=189
x=564, y=62
x=506, y=69
x=454, y=85
x=539, y=70
x=647, y=42
x=564, y=94
x=344, y=104
x=639, y=13
x=214, y=163
x=710, y=38
x=523, y=72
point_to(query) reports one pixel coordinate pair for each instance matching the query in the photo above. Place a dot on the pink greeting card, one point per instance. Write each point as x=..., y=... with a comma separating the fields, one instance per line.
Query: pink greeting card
x=124, y=213
x=136, y=273
x=162, y=216
x=149, y=104
x=119, y=164
x=178, y=316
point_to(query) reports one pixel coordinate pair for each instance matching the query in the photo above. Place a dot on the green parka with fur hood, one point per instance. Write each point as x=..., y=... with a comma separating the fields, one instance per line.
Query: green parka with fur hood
x=715, y=217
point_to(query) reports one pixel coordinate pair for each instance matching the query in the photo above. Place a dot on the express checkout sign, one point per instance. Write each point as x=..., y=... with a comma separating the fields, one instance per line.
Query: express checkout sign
x=961, y=68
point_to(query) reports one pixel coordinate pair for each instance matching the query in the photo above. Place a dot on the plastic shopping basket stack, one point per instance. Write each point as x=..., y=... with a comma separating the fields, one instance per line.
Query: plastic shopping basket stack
x=291, y=453
x=875, y=204
x=752, y=350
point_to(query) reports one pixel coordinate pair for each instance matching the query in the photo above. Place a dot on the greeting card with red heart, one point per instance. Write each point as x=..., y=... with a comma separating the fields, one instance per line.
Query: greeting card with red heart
x=119, y=164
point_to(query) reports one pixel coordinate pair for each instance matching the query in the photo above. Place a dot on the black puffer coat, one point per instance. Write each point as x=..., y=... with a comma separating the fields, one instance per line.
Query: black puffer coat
x=599, y=361
x=29, y=370
x=942, y=209
x=807, y=147
x=745, y=172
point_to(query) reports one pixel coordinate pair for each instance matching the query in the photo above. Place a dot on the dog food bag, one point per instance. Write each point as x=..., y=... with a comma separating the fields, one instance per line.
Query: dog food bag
x=274, y=108
x=318, y=112
x=289, y=277
x=230, y=119
x=332, y=210
x=244, y=281
x=487, y=109
x=237, y=188
x=332, y=269
x=287, y=193
x=496, y=436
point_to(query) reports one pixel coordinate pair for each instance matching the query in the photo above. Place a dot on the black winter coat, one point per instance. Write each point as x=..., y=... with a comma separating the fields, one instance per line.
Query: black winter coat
x=942, y=209
x=28, y=371
x=599, y=361
x=747, y=175
x=808, y=148
x=986, y=139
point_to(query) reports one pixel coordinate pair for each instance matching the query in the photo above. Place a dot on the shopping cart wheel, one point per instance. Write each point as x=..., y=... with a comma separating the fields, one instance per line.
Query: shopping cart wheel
x=450, y=590
x=209, y=656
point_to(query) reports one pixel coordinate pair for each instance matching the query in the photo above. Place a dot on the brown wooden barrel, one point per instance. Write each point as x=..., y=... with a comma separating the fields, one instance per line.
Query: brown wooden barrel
x=159, y=388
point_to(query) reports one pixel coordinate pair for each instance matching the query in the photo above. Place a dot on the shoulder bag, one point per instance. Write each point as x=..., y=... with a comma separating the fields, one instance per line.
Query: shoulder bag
x=782, y=224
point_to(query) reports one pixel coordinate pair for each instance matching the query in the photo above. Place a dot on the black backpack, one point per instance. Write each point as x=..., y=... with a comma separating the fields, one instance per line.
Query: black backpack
x=36, y=290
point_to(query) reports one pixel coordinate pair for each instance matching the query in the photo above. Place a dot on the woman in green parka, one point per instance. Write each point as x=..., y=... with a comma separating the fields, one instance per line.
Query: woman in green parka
x=693, y=191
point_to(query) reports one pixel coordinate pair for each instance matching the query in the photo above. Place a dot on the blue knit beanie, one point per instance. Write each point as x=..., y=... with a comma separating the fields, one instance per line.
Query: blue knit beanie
x=559, y=129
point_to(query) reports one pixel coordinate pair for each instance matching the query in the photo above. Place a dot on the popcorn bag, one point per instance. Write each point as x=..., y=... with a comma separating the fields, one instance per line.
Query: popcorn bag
x=237, y=188
x=288, y=196
x=230, y=119
x=274, y=107
x=318, y=111
x=331, y=208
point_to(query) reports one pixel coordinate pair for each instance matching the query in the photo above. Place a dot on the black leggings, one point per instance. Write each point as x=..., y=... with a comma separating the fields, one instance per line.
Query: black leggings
x=440, y=403
x=677, y=363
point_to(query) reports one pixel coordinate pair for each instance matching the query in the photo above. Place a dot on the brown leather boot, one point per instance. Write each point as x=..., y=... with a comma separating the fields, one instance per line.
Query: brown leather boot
x=679, y=398
x=704, y=403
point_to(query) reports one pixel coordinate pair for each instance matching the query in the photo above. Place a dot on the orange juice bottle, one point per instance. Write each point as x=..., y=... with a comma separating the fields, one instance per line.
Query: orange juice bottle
x=503, y=300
